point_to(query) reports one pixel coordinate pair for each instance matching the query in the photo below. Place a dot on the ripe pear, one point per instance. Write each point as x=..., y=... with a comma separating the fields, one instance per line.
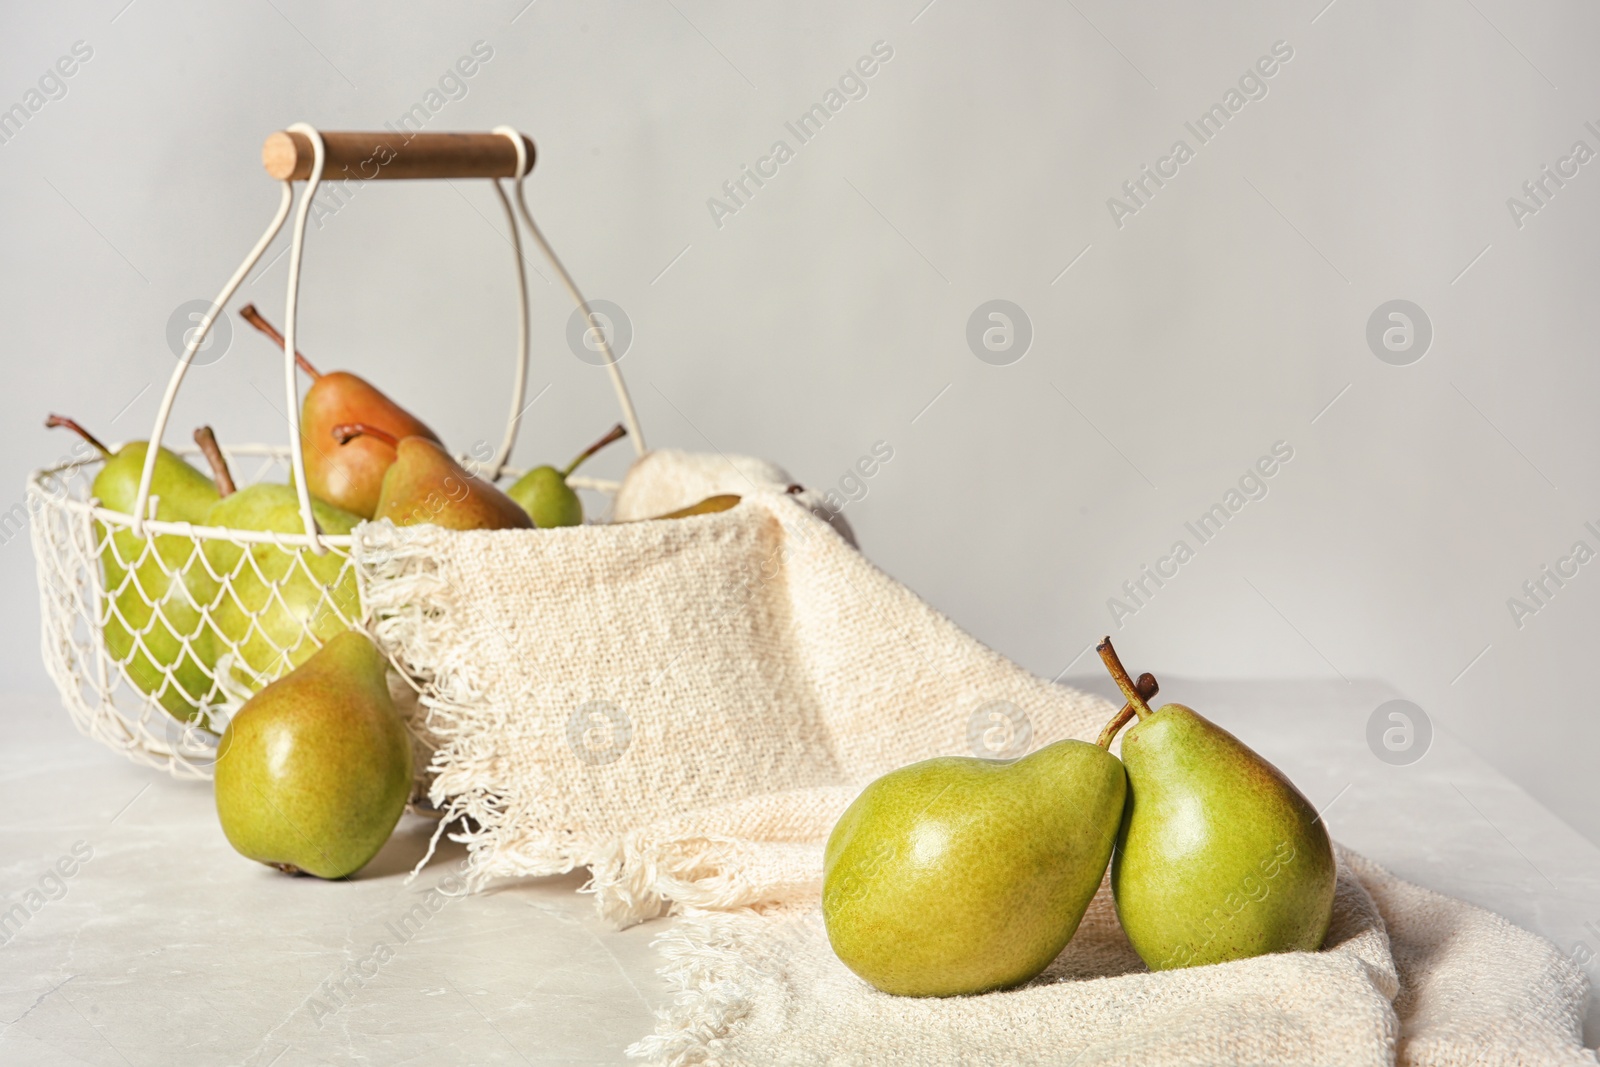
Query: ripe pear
x=424, y=485
x=346, y=477
x=313, y=772
x=960, y=875
x=1219, y=856
x=281, y=604
x=156, y=588
x=709, y=506
x=544, y=494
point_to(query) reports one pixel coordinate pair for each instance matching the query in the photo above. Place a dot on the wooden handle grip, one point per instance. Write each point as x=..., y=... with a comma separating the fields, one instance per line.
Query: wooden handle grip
x=386, y=154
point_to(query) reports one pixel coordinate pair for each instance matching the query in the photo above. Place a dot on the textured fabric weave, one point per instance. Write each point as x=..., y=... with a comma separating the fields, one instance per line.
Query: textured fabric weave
x=686, y=707
x=1406, y=976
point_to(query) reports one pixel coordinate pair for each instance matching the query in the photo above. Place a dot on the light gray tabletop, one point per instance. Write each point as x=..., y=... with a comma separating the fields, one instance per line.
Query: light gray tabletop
x=165, y=947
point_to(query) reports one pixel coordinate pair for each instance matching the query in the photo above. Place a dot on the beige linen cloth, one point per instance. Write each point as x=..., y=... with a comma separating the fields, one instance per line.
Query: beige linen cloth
x=686, y=707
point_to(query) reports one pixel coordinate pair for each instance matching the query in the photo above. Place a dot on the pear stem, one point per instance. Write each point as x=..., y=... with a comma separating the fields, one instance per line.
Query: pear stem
x=1148, y=687
x=616, y=433
x=1113, y=664
x=255, y=318
x=61, y=421
x=219, y=465
x=346, y=432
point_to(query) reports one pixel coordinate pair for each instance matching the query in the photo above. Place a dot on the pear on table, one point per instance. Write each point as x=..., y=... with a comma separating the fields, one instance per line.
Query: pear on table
x=425, y=485
x=545, y=495
x=281, y=603
x=959, y=875
x=314, y=771
x=351, y=477
x=157, y=589
x=1219, y=856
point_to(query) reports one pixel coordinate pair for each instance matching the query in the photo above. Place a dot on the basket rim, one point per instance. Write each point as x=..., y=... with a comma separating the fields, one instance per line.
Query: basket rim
x=110, y=517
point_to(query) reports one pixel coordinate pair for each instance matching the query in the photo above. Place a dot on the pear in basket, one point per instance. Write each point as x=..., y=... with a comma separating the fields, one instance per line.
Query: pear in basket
x=424, y=485
x=709, y=506
x=544, y=494
x=328, y=808
x=280, y=603
x=351, y=477
x=1219, y=856
x=156, y=587
x=959, y=875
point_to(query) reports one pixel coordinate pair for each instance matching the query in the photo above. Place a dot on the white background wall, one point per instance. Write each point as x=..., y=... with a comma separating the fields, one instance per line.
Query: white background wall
x=831, y=310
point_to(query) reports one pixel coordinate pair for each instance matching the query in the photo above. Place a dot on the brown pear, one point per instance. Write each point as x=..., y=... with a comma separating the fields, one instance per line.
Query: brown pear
x=424, y=485
x=351, y=476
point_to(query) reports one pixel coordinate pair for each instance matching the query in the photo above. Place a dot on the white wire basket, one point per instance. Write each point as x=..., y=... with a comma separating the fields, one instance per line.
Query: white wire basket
x=155, y=632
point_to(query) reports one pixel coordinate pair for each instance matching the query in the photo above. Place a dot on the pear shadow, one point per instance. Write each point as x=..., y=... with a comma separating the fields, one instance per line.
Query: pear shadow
x=409, y=843
x=560, y=884
x=405, y=848
x=1098, y=949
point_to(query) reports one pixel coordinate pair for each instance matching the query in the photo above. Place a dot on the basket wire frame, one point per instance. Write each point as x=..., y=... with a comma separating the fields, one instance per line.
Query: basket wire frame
x=153, y=642
x=232, y=621
x=156, y=632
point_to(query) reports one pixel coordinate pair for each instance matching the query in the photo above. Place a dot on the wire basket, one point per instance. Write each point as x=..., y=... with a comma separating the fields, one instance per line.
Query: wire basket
x=155, y=632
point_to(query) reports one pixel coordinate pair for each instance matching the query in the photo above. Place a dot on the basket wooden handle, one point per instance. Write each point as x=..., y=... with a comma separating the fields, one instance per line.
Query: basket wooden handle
x=287, y=155
x=292, y=154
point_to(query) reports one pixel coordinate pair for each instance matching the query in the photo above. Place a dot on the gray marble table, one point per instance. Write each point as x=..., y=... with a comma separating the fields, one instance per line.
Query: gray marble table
x=161, y=946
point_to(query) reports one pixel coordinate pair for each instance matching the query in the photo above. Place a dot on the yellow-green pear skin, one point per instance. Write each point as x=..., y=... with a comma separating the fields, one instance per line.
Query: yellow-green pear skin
x=545, y=495
x=1219, y=856
x=709, y=506
x=280, y=602
x=158, y=630
x=959, y=875
x=313, y=772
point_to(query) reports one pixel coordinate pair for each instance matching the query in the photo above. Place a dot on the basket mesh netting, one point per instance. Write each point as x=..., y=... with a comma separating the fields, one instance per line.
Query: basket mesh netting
x=155, y=632
x=154, y=641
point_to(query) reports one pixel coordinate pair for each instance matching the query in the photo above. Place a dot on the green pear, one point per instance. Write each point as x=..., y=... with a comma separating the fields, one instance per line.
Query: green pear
x=281, y=604
x=425, y=485
x=157, y=589
x=313, y=772
x=544, y=494
x=1219, y=856
x=959, y=875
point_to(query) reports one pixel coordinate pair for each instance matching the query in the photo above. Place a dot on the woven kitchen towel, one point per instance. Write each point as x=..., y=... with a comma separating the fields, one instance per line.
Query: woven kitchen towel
x=762, y=986
x=682, y=705
x=766, y=988
x=685, y=707
x=667, y=479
